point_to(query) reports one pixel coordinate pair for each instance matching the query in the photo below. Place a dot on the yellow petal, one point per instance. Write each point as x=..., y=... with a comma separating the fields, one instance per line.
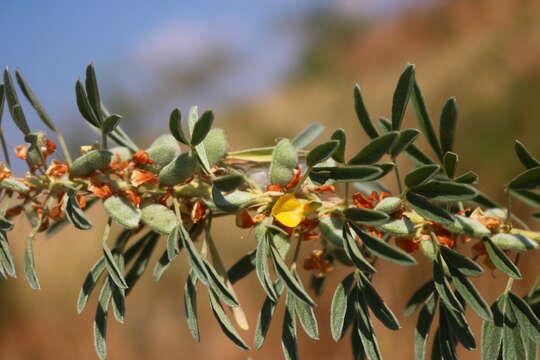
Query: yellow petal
x=287, y=202
x=290, y=218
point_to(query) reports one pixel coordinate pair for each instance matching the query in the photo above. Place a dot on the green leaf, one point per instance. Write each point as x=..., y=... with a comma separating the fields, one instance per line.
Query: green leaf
x=75, y=214
x=530, y=198
x=338, y=308
x=527, y=180
x=467, y=226
x=402, y=95
x=224, y=322
x=14, y=105
x=421, y=174
x=526, y=318
x=265, y=317
x=179, y=170
x=261, y=263
x=492, y=331
x=202, y=127
x=29, y=265
x=375, y=150
x=112, y=268
x=500, y=260
x=306, y=314
x=229, y=182
x=446, y=191
x=470, y=177
x=293, y=285
x=122, y=212
x=339, y=154
x=363, y=115
x=515, y=242
x=377, y=304
x=458, y=326
x=190, y=305
x=110, y=123
x=525, y=156
x=284, y=160
x=447, y=130
x=513, y=347
x=5, y=256
x=258, y=155
x=84, y=105
x=288, y=335
x=90, y=283
x=428, y=210
x=405, y=139
x=358, y=173
x=216, y=146
x=356, y=344
x=100, y=323
x=242, y=267
x=419, y=296
x=159, y=218
x=32, y=99
x=321, y=152
x=423, y=325
x=366, y=216
x=365, y=328
x=137, y=270
x=463, y=264
x=2, y=99
x=307, y=135
x=445, y=339
x=443, y=288
x=469, y=293
x=173, y=247
x=219, y=287
x=354, y=253
x=197, y=263
x=93, y=91
x=424, y=120
x=383, y=249
x=450, y=162
x=175, y=126
x=200, y=149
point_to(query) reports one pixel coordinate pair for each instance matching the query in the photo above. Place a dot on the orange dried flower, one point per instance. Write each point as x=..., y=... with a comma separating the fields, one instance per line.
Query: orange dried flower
x=141, y=158
x=21, y=151
x=139, y=177
x=132, y=197
x=325, y=188
x=274, y=187
x=317, y=261
x=57, y=169
x=118, y=165
x=56, y=212
x=368, y=202
x=407, y=244
x=295, y=180
x=49, y=148
x=4, y=172
x=81, y=199
x=197, y=212
x=101, y=191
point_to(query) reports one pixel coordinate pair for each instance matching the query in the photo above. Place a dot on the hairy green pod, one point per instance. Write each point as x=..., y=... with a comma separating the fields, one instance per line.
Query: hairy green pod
x=284, y=159
x=14, y=185
x=398, y=227
x=162, y=151
x=238, y=198
x=94, y=160
x=178, y=170
x=428, y=249
x=515, y=242
x=496, y=213
x=467, y=226
x=159, y=218
x=331, y=228
x=389, y=205
x=122, y=212
x=216, y=145
x=122, y=152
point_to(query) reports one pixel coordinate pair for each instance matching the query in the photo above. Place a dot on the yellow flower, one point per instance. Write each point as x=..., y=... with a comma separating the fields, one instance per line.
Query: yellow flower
x=290, y=211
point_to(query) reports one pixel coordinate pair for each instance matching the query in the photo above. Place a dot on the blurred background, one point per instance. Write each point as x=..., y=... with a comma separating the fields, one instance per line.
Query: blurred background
x=267, y=68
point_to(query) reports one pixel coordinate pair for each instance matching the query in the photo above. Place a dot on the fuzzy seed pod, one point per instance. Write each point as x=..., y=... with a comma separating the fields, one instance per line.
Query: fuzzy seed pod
x=122, y=212
x=514, y=242
x=159, y=218
x=94, y=160
x=178, y=170
x=216, y=145
x=284, y=159
x=162, y=151
x=389, y=205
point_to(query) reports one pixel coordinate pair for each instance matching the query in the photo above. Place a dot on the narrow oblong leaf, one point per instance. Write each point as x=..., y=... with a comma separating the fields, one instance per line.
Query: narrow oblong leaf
x=526, y=318
x=14, y=105
x=75, y=214
x=525, y=156
x=443, y=288
x=197, y=263
x=528, y=197
x=383, y=249
x=469, y=293
x=463, y=264
x=428, y=210
x=5, y=256
x=450, y=162
x=175, y=126
x=446, y=191
x=307, y=135
x=93, y=91
x=100, y=323
x=377, y=305
x=470, y=177
x=354, y=253
x=492, y=331
x=173, y=246
x=419, y=296
x=513, y=347
x=290, y=281
x=424, y=120
x=363, y=115
x=423, y=325
x=242, y=267
x=527, y=180
x=500, y=260
x=447, y=130
x=307, y=318
x=359, y=173
x=84, y=105
x=375, y=150
x=32, y=99
x=405, y=139
x=202, y=127
x=338, y=308
x=421, y=174
x=366, y=216
x=190, y=306
x=412, y=150
x=265, y=317
x=229, y=182
x=224, y=322
x=365, y=328
x=29, y=266
x=219, y=287
x=110, y=123
x=288, y=334
x=402, y=95
x=90, y=283
x=261, y=261
x=339, y=154
x=321, y=152
x=114, y=271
